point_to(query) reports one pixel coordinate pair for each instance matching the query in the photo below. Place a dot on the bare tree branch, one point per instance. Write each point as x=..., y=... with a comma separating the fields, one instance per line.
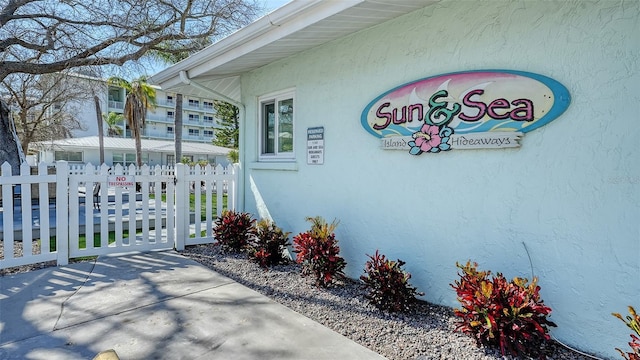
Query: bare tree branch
x=45, y=36
x=48, y=36
x=44, y=106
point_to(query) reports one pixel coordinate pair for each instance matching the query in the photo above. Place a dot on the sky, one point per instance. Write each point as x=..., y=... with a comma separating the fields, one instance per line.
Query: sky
x=271, y=5
x=151, y=67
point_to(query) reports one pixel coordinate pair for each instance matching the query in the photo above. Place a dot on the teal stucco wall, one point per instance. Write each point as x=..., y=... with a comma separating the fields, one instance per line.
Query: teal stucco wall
x=570, y=195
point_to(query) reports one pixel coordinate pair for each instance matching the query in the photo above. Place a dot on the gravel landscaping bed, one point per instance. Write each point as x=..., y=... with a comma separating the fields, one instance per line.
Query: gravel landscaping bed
x=428, y=333
x=17, y=251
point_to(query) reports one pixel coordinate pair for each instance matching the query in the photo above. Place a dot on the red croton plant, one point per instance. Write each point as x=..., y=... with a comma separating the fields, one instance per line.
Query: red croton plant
x=233, y=230
x=387, y=284
x=268, y=246
x=507, y=314
x=318, y=252
x=633, y=322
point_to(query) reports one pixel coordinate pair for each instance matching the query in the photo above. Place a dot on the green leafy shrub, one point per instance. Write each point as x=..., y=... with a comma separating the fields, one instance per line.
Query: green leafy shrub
x=267, y=248
x=388, y=285
x=233, y=230
x=633, y=322
x=233, y=156
x=509, y=315
x=318, y=252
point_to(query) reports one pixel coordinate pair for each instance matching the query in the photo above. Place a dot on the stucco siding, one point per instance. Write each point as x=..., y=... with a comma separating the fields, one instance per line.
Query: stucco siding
x=570, y=195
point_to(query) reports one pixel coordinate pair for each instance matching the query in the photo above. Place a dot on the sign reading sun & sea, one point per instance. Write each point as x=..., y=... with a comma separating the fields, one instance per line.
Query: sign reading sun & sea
x=483, y=109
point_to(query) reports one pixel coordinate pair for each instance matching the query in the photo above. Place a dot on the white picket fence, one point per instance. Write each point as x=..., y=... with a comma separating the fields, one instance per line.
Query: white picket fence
x=57, y=217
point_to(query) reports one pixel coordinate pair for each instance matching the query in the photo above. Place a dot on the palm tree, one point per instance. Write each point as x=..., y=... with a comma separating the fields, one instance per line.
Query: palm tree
x=140, y=97
x=113, y=121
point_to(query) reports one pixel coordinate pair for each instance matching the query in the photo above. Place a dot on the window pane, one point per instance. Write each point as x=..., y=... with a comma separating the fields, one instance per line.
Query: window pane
x=75, y=156
x=68, y=156
x=268, y=125
x=285, y=125
x=117, y=159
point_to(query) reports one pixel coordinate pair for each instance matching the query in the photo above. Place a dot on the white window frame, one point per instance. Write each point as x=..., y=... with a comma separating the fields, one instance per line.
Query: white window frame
x=274, y=98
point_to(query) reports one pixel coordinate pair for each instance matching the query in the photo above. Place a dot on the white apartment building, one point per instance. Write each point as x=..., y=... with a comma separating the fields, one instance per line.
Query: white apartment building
x=198, y=114
x=158, y=134
x=198, y=120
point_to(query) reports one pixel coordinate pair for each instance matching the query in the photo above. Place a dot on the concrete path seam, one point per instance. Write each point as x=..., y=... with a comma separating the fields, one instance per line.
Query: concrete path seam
x=145, y=305
x=55, y=326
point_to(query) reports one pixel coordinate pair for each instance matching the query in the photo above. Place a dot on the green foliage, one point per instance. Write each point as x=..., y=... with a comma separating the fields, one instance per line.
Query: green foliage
x=141, y=96
x=228, y=132
x=233, y=156
x=267, y=248
x=318, y=252
x=509, y=315
x=233, y=230
x=633, y=322
x=388, y=285
x=187, y=161
x=113, y=121
x=320, y=228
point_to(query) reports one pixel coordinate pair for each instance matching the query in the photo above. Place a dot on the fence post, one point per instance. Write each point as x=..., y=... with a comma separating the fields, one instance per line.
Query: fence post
x=7, y=203
x=182, y=206
x=62, y=212
x=235, y=205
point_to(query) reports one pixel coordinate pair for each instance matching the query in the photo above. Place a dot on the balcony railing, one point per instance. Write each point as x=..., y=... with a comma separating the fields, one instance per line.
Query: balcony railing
x=160, y=118
x=167, y=103
x=116, y=104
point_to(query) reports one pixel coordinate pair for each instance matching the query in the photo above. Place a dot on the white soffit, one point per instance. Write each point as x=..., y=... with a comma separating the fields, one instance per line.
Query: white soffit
x=297, y=26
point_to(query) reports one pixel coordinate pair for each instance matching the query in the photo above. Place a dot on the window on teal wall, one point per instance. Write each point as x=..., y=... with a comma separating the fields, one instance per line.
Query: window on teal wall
x=277, y=126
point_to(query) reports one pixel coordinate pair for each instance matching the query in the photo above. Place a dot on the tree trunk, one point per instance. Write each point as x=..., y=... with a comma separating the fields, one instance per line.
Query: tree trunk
x=138, y=151
x=100, y=129
x=178, y=128
x=9, y=148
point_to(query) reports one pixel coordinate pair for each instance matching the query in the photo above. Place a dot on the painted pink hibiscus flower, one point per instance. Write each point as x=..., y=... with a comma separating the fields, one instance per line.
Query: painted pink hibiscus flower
x=427, y=138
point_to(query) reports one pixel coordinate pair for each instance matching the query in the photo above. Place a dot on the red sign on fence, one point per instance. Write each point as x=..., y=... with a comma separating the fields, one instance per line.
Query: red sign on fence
x=121, y=181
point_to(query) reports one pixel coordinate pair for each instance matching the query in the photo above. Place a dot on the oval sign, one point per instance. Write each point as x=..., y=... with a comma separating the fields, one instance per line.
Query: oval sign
x=464, y=110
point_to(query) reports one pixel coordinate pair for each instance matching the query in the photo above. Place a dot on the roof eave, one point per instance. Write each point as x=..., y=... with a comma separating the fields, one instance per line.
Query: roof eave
x=271, y=27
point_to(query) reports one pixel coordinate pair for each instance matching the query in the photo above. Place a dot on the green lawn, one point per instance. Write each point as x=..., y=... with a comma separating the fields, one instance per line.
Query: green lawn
x=82, y=239
x=203, y=199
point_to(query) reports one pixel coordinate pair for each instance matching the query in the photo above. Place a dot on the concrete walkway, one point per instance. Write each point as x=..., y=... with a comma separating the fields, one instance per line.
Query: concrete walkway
x=154, y=306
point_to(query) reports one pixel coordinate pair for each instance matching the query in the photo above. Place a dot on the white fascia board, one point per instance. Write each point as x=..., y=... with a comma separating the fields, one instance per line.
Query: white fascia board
x=286, y=20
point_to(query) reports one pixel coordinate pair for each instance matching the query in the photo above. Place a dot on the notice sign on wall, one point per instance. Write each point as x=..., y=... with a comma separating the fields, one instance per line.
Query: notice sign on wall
x=315, y=145
x=122, y=181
